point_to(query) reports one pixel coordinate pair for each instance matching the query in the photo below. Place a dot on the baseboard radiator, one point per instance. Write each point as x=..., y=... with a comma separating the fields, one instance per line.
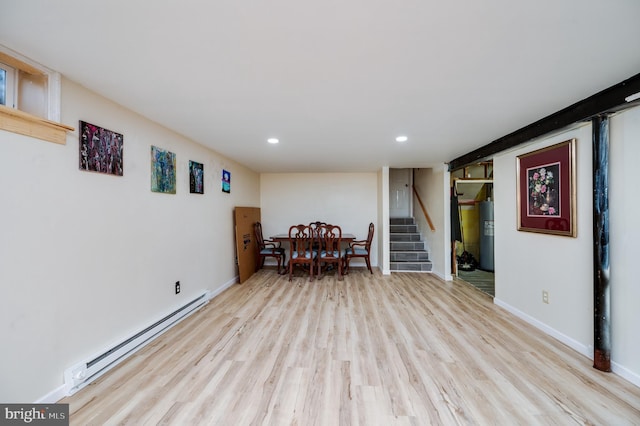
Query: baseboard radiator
x=80, y=375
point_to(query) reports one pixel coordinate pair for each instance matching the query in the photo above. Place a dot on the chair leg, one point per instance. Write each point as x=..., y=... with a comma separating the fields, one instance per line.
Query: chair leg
x=366, y=259
x=346, y=265
x=284, y=264
x=290, y=269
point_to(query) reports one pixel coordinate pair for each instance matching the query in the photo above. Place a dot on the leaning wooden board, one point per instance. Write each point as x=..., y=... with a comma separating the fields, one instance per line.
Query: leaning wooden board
x=244, y=218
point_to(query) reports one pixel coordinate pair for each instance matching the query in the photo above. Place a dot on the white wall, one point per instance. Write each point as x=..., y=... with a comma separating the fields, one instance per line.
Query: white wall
x=384, y=222
x=432, y=186
x=528, y=263
x=88, y=259
x=624, y=205
x=346, y=199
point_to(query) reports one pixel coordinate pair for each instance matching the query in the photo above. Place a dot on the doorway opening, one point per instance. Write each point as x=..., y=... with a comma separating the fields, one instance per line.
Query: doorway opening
x=472, y=225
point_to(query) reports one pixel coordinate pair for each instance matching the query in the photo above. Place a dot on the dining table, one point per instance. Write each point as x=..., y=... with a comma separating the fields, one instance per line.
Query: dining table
x=284, y=238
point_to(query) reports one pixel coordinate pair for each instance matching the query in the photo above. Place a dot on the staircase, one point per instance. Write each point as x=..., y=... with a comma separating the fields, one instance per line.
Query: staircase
x=407, y=252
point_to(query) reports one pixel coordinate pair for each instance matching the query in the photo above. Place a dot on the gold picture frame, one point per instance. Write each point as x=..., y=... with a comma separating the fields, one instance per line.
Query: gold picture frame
x=546, y=190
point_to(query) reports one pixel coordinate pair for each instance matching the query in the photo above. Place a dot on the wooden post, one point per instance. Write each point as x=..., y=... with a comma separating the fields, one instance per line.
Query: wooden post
x=601, y=290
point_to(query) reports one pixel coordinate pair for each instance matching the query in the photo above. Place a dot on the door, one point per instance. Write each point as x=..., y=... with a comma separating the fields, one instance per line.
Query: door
x=246, y=247
x=399, y=192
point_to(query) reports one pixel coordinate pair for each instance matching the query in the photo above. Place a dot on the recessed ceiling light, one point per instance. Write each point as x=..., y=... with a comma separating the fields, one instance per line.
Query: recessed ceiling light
x=273, y=140
x=401, y=139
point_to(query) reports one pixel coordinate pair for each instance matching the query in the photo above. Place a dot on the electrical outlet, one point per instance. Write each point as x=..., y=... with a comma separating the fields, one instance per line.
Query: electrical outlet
x=177, y=287
x=545, y=296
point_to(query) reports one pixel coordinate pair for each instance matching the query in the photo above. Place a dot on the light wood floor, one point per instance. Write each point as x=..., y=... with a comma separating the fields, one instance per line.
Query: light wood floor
x=482, y=280
x=404, y=349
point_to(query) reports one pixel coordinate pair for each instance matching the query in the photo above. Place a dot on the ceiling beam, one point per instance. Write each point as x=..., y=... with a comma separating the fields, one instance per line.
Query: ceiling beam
x=608, y=100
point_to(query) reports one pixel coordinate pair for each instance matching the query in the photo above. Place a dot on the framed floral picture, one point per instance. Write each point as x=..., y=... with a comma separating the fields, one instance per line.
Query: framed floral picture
x=546, y=193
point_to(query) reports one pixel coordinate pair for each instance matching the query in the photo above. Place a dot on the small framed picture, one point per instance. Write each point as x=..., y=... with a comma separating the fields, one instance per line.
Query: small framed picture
x=226, y=181
x=101, y=150
x=196, y=177
x=163, y=171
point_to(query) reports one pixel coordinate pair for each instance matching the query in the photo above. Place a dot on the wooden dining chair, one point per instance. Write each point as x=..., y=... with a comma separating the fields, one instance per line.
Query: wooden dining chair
x=359, y=248
x=301, y=245
x=268, y=248
x=317, y=224
x=330, y=239
x=316, y=230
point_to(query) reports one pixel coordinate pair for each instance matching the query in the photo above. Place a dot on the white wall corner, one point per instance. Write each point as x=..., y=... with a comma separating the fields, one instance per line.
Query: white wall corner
x=448, y=277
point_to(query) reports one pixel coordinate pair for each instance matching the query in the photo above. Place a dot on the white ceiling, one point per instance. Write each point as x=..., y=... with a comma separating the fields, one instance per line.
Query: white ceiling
x=335, y=81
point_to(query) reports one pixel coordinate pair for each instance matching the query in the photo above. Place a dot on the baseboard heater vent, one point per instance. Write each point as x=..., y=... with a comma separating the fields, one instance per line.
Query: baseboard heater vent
x=80, y=375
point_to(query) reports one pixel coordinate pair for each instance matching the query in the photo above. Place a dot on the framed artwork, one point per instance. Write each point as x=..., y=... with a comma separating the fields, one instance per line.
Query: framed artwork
x=546, y=193
x=196, y=177
x=163, y=171
x=100, y=150
x=226, y=181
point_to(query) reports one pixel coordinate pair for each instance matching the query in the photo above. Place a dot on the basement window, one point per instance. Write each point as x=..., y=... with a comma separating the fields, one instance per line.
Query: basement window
x=7, y=85
x=30, y=98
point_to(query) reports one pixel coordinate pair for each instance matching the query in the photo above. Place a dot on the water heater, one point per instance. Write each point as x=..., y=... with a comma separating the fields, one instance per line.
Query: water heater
x=486, y=235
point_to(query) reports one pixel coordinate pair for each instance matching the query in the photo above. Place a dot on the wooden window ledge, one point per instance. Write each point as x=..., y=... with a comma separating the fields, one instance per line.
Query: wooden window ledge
x=16, y=121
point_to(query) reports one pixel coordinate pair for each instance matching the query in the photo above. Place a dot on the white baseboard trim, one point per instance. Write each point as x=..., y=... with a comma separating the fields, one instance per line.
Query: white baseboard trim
x=587, y=351
x=625, y=373
x=53, y=396
x=213, y=293
x=572, y=343
x=443, y=277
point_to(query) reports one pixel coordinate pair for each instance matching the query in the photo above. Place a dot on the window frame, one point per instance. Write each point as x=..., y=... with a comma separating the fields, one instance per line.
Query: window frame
x=10, y=85
x=14, y=120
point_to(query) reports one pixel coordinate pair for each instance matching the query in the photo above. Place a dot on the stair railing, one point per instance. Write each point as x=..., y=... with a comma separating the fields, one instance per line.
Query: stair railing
x=424, y=210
